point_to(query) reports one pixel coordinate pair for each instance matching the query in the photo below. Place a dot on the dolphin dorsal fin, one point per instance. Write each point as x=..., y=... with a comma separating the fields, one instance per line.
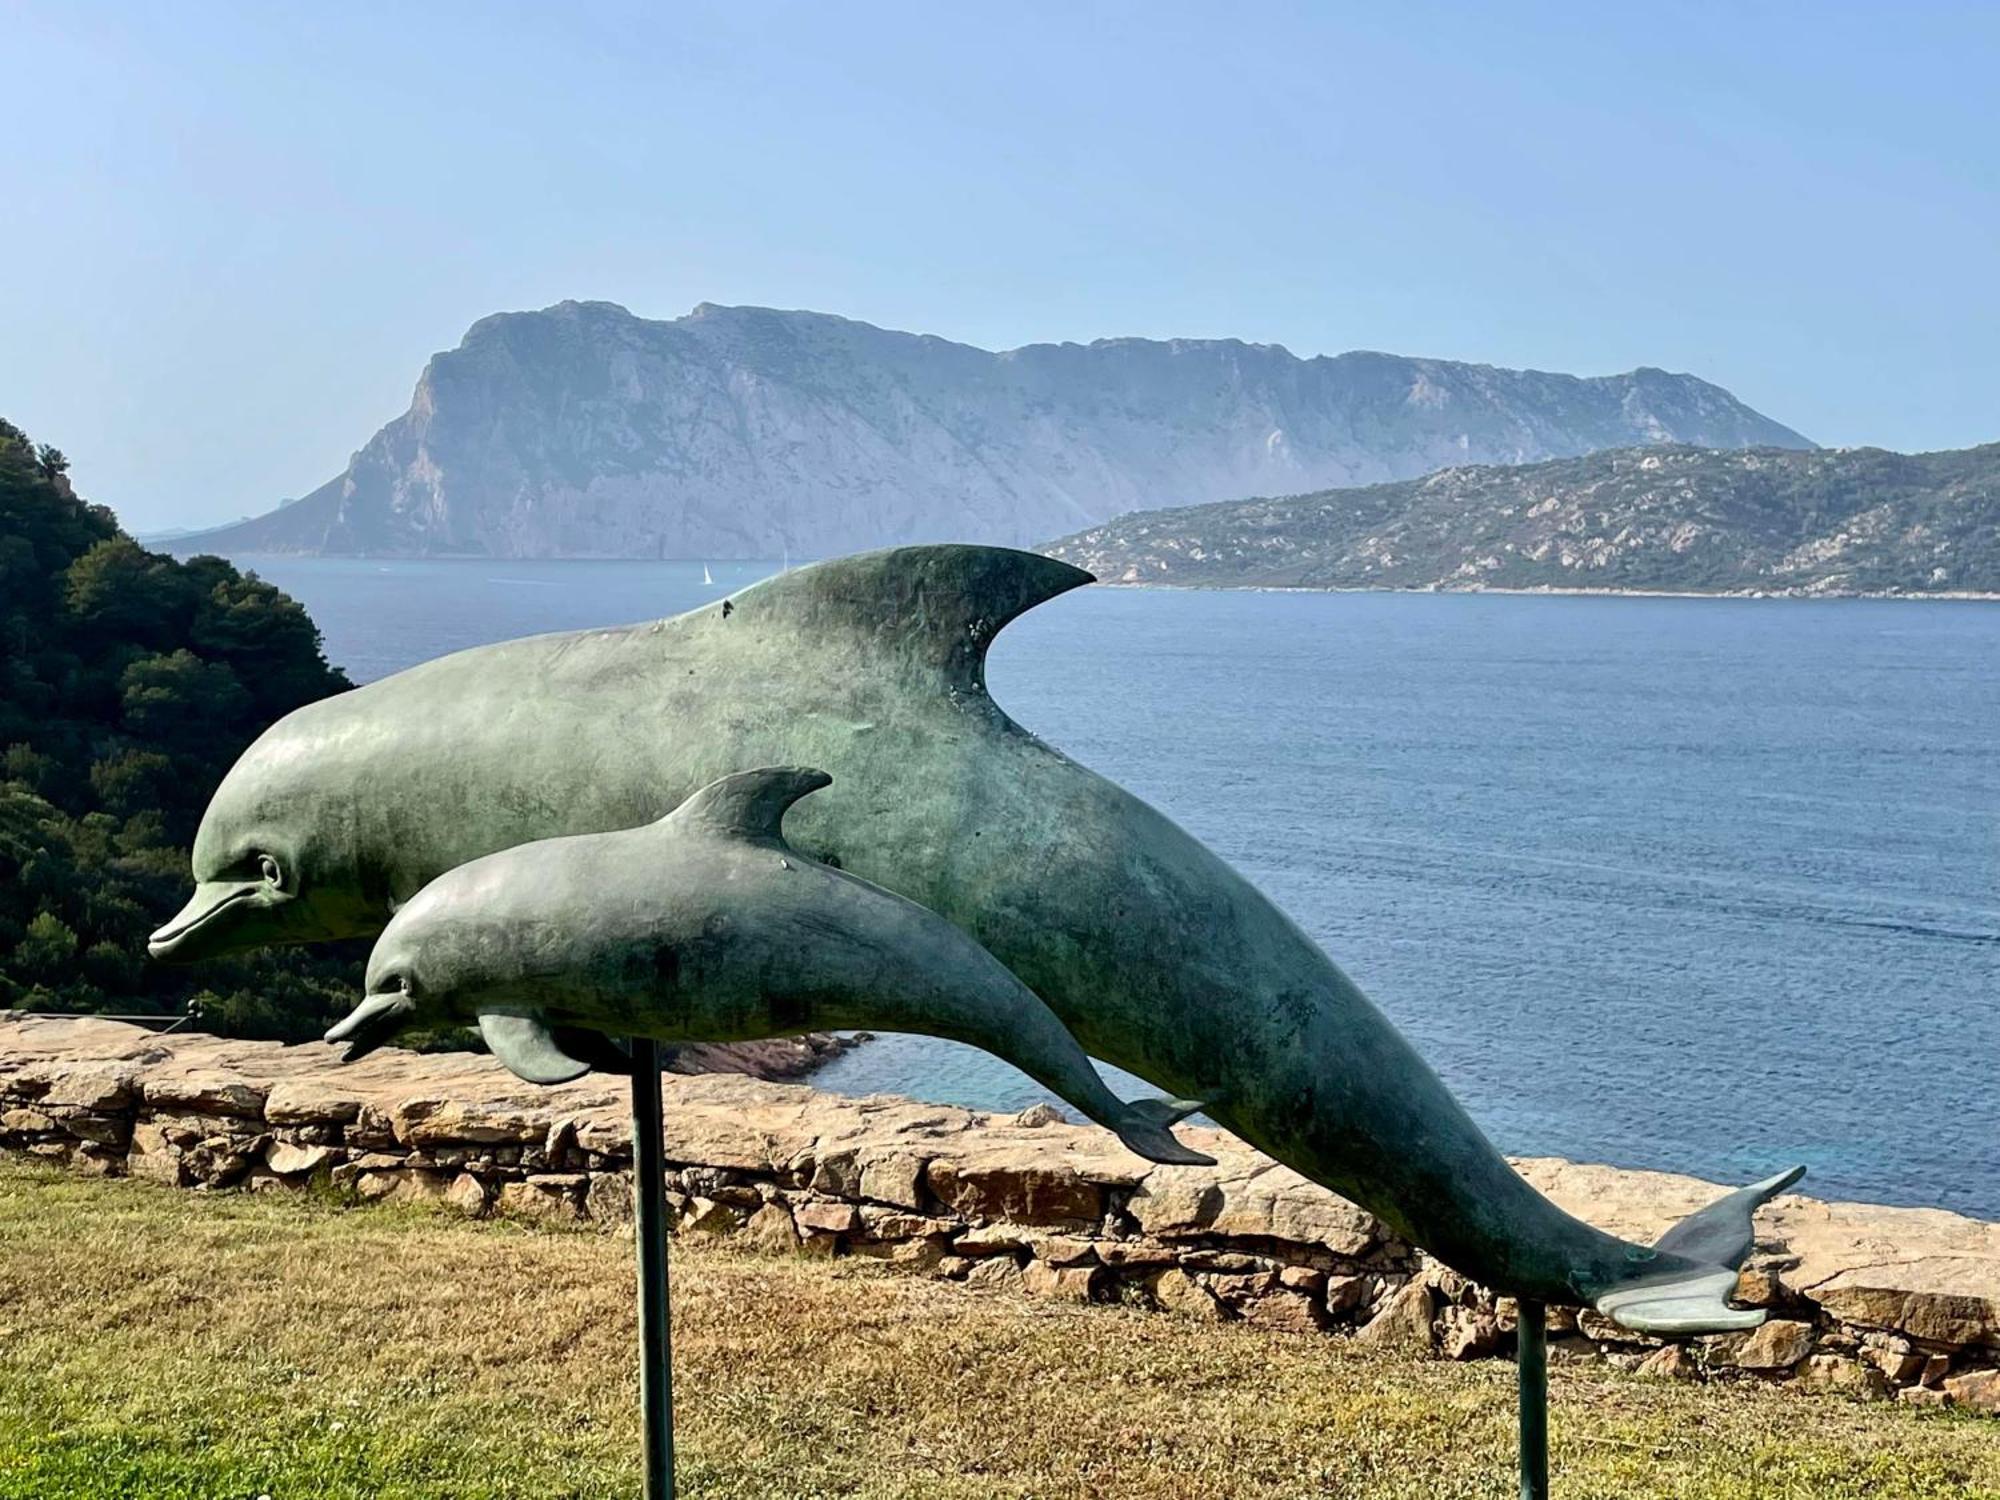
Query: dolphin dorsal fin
x=749, y=804
x=939, y=606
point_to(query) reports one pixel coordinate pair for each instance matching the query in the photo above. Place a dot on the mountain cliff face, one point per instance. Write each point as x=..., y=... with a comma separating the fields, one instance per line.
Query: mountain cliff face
x=582, y=431
x=1669, y=518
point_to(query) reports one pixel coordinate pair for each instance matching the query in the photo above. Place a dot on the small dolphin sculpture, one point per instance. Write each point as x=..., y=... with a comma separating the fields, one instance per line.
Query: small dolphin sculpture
x=1152, y=951
x=708, y=927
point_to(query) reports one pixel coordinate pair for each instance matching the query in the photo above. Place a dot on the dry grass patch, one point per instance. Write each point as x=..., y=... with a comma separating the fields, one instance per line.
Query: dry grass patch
x=174, y=1346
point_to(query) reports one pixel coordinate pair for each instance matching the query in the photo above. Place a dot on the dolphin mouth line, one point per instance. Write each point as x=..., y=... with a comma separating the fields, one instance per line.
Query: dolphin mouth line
x=167, y=938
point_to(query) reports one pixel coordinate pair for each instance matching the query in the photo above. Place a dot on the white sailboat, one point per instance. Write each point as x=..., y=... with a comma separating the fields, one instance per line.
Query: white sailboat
x=705, y=578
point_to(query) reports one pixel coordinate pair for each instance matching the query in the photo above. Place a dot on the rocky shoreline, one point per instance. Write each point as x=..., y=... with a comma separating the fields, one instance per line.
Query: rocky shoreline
x=776, y=1059
x=1867, y=1301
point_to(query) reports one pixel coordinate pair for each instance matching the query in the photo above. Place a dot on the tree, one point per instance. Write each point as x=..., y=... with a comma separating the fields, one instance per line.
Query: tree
x=46, y=948
x=129, y=683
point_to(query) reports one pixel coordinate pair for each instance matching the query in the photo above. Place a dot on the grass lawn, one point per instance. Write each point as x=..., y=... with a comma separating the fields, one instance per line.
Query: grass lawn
x=168, y=1345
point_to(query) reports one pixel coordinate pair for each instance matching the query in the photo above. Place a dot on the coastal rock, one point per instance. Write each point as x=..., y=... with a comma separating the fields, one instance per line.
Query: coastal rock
x=1177, y=1292
x=1246, y=1196
x=1404, y=1325
x=468, y=1195
x=1065, y=1284
x=288, y=1160
x=771, y=1230
x=1978, y=1389
x=1673, y=1362
x=311, y=1103
x=1467, y=1333
x=1291, y=1312
x=827, y=1217
x=1017, y=1185
x=995, y=1275
x=1878, y=1297
x=555, y=1196
x=204, y=1092
x=1777, y=1345
x=1839, y=1375
x=101, y=1088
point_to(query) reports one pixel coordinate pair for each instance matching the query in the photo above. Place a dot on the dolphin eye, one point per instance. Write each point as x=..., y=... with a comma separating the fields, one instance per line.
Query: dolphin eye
x=268, y=868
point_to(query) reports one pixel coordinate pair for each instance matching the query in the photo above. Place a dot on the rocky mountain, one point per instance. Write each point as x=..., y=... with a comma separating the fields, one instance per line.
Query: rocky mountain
x=583, y=431
x=1763, y=520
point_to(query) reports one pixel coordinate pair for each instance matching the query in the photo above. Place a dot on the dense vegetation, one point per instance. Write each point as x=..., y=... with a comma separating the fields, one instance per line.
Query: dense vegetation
x=1702, y=520
x=129, y=682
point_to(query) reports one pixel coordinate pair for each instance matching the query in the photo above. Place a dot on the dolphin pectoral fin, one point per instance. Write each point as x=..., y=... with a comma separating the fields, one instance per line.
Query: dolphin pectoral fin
x=603, y=1054
x=527, y=1049
x=1144, y=1130
x=1695, y=1299
x=371, y=1023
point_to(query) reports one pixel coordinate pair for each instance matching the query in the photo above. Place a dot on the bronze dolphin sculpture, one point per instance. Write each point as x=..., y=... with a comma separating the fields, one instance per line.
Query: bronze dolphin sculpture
x=706, y=926
x=1153, y=952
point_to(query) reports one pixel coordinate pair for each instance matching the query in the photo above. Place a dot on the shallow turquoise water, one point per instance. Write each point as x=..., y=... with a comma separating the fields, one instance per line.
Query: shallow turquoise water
x=1706, y=885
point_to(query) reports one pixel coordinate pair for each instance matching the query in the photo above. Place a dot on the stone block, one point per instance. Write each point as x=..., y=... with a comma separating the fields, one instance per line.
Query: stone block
x=1180, y=1294
x=1405, y=1324
x=1673, y=1362
x=771, y=1230
x=1777, y=1345
x=1837, y=1374
x=467, y=1194
x=1021, y=1187
x=1977, y=1389
x=289, y=1160
x=823, y=1216
x=1061, y=1284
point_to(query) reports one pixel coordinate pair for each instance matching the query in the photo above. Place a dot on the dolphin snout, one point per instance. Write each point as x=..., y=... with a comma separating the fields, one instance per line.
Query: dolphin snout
x=194, y=932
x=373, y=1022
x=223, y=917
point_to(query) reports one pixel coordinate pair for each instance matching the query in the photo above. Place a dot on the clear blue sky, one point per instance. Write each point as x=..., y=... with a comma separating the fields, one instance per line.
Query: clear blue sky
x=234, y=233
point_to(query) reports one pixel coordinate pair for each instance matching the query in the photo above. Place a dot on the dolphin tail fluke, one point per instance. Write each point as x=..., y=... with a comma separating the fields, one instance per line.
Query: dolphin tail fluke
x=1145, y=1129
x=1710, y=1243
x=526, y=1047
x=1165, y=1112
x=372, y=1023
x=1722, y=1233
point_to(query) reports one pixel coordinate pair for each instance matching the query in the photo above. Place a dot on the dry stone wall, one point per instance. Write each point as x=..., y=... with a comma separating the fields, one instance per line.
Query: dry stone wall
x=1866, y=1301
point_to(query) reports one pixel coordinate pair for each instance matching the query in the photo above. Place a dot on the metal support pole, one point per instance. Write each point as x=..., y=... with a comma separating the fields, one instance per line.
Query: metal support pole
x=1531, y=1358
x=656, y=1355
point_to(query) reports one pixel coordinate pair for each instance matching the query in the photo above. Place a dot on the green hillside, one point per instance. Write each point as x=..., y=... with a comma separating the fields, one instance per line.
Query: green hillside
x=129, y=682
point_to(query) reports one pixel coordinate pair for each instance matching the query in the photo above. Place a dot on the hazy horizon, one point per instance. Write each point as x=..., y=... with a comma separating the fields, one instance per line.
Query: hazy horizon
x=245, y=230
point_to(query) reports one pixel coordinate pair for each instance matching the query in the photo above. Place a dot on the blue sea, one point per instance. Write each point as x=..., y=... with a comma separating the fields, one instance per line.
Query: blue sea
x=1704, y=885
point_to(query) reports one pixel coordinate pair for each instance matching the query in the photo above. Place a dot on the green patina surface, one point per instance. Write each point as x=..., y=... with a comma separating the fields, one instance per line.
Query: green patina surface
x=708, y=926
x=1153, y=952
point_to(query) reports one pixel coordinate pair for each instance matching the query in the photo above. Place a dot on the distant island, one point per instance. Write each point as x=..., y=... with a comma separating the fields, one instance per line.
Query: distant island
x=1672, y=519
x=742, y=432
